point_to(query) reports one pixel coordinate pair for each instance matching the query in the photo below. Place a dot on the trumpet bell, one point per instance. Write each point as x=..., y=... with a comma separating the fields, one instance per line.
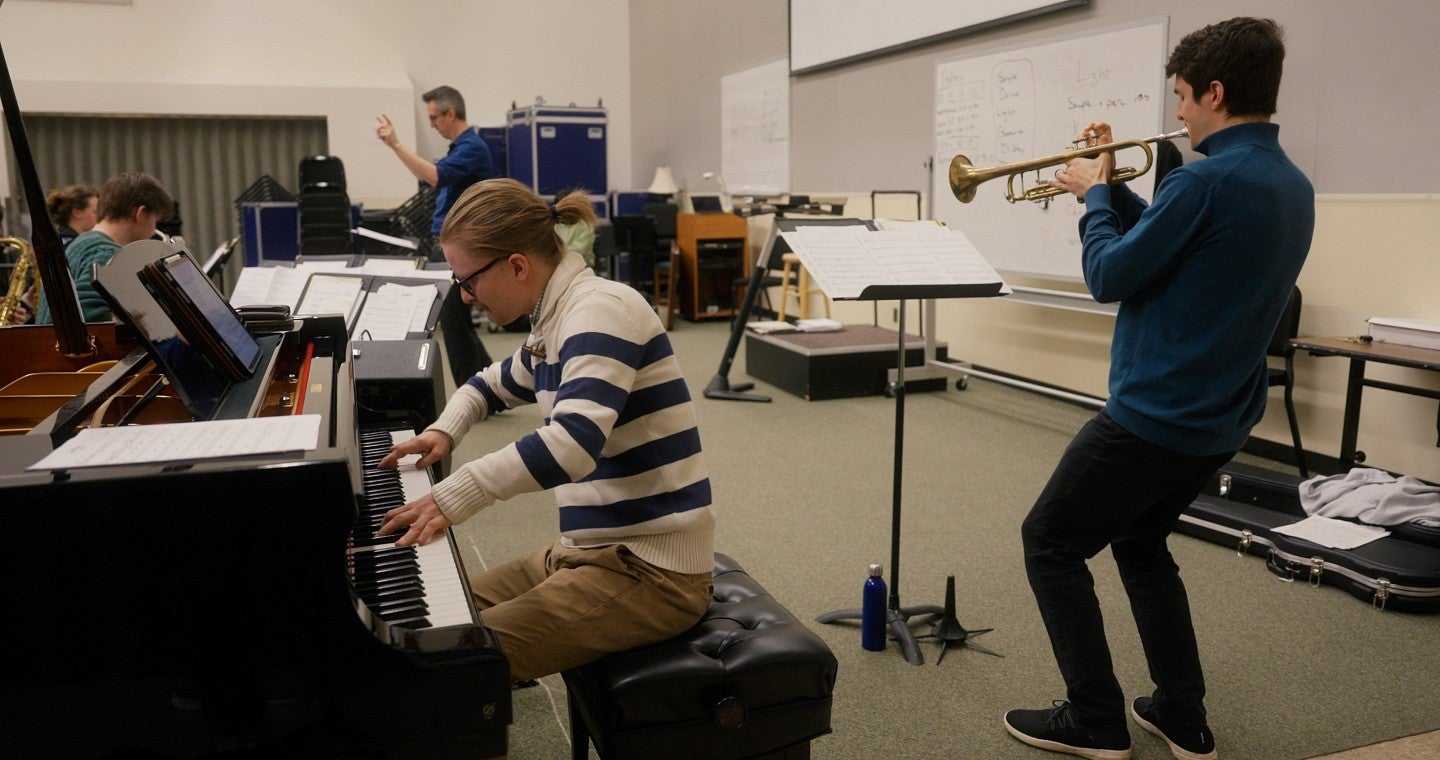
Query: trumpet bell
x=962, y=181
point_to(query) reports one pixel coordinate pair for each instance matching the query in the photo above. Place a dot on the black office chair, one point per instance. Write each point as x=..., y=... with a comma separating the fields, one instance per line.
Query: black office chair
x=664, y=215
x=607, y=251
x=635, y=239
x=1280, y=347
x=664, y=274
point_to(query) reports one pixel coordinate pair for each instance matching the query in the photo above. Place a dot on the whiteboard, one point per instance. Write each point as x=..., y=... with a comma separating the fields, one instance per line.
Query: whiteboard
x=1031, y=102
x=755, y=130
x=825, y=33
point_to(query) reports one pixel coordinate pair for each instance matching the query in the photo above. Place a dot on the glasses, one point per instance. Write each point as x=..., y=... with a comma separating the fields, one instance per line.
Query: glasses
x=464, y=282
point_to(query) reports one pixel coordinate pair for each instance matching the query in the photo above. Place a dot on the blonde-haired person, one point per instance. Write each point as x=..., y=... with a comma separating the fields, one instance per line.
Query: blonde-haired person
x=619, y=446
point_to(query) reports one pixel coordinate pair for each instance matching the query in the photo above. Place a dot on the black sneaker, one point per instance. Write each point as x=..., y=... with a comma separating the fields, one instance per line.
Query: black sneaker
x=1186, y=742
x=1055, y=729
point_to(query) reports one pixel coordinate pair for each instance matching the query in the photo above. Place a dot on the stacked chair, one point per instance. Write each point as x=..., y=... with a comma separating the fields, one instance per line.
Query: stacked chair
x=324, y=208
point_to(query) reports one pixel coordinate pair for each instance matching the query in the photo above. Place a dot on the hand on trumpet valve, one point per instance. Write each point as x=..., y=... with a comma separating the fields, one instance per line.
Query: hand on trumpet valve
x=1080, y=174
x=1096, y=133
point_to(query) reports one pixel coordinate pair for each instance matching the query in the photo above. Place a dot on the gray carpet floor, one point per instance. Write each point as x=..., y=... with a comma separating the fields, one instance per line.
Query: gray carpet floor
x=803, y=499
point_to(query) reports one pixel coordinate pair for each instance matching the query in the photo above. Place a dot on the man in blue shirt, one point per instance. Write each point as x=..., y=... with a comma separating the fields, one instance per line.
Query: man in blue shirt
x=1202, y=276
x=467, y=162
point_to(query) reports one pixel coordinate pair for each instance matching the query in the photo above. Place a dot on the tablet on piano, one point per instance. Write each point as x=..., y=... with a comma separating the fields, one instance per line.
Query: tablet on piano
x=193, y=378
x=202, y=315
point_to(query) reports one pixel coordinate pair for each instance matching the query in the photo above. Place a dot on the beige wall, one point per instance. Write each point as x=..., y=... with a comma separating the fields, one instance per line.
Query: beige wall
x=347, y=60
x=1352, y=111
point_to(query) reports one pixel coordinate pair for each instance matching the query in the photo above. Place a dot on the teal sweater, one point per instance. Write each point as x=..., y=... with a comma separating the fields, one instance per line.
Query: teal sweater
x=1202, y=276
x=83, y=253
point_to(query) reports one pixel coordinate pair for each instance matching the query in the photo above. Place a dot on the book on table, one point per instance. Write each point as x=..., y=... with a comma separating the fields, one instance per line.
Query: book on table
x=1405, y=332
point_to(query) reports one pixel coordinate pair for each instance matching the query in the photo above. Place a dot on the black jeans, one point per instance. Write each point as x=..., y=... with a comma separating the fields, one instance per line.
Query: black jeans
x=466, y=353
x=1113, y=488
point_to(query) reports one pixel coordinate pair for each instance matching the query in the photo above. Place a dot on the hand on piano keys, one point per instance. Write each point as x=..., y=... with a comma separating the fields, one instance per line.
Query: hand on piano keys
x=421, y=520
x=431, y=445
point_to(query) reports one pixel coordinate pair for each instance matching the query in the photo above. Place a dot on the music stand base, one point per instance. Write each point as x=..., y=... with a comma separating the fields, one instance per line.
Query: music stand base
x=948, y=630
x=719, y=388
x=897, y=620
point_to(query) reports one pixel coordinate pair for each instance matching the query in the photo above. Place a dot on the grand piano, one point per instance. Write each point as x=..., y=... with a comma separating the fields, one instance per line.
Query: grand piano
x=221, y=607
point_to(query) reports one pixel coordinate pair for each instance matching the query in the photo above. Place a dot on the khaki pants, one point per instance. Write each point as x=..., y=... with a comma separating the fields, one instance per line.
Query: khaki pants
x=558, y=608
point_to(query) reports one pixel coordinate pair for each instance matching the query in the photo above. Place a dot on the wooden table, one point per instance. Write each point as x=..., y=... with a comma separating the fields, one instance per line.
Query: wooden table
x=1360, y=352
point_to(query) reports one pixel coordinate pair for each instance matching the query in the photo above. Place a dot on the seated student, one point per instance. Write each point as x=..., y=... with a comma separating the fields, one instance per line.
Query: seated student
x=619, y=445
x=578, y=237
x=73, y=211
x=131, y=204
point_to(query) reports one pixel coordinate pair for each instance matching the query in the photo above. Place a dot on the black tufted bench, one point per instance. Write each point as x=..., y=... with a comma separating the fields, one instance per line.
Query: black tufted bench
x=747, y=681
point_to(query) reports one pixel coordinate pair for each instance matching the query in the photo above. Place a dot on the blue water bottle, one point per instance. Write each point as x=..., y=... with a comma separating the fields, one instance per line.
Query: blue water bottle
x=873, y=612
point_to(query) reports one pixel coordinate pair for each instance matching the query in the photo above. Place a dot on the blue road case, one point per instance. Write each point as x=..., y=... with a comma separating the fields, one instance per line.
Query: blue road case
x=494, y=138
x=554, y=148
x=270, y=231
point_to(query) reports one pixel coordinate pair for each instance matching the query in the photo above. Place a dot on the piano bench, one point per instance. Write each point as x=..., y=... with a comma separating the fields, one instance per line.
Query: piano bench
x=747, y=681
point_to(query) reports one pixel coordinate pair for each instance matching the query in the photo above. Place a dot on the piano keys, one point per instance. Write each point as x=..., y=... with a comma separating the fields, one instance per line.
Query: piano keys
x=413, y=586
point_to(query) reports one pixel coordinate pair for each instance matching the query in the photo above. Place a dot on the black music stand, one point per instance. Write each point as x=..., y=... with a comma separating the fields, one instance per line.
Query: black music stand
x=775, y=247
x=947, y=628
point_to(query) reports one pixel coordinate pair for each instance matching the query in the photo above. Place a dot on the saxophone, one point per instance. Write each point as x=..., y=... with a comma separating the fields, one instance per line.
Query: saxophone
x=19, y=278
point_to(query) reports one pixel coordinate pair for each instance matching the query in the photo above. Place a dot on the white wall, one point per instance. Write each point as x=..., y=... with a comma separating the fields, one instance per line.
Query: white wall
x=347, y=60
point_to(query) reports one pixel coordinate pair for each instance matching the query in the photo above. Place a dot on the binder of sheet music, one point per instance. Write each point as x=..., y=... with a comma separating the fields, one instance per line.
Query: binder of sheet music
x=900, y=260
x=388, y=313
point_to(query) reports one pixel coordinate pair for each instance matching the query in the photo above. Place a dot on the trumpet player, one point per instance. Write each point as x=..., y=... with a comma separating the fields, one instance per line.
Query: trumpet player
x=1202, y=275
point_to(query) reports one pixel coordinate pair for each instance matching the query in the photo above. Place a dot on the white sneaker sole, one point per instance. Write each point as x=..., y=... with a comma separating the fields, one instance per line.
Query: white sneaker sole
x=1090, y=753
x=1178, y=751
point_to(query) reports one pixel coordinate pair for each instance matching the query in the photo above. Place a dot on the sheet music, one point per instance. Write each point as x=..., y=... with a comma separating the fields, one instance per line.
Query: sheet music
x=1336, y=534
x=400, y=266
x=323, y=266
x=845, y=260
x=183, y=442
x=329, y=294
x=269, y=285
x=392, y=312
x=424, y=297
x=382, y=237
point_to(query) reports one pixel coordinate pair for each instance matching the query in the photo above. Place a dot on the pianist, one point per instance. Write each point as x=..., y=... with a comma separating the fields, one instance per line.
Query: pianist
x=619, y=446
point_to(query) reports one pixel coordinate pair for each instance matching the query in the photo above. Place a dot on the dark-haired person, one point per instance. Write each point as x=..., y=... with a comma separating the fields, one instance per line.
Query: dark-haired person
x=131, y=204
x=1202, y=275
x=619, y=447
x=73, y=210
x=467, y=162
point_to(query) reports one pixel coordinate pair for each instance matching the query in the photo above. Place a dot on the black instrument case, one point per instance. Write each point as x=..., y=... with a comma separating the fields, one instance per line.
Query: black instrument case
x=1243, y=505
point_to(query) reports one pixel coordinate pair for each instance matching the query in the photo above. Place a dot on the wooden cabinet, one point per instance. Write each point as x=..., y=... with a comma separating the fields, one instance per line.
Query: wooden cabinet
x=712, y=257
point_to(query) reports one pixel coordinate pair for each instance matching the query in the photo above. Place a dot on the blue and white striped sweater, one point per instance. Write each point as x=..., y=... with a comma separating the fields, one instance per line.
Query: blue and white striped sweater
x=619, y=442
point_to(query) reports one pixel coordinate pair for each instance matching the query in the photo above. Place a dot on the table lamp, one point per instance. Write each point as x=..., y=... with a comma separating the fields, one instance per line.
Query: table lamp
x=664, y=182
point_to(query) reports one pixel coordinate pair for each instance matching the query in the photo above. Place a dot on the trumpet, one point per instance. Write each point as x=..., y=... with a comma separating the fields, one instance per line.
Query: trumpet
x=964, y=177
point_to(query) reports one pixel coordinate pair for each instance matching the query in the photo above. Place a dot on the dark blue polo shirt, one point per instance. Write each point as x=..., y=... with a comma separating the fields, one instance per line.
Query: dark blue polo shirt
x=467, y=162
